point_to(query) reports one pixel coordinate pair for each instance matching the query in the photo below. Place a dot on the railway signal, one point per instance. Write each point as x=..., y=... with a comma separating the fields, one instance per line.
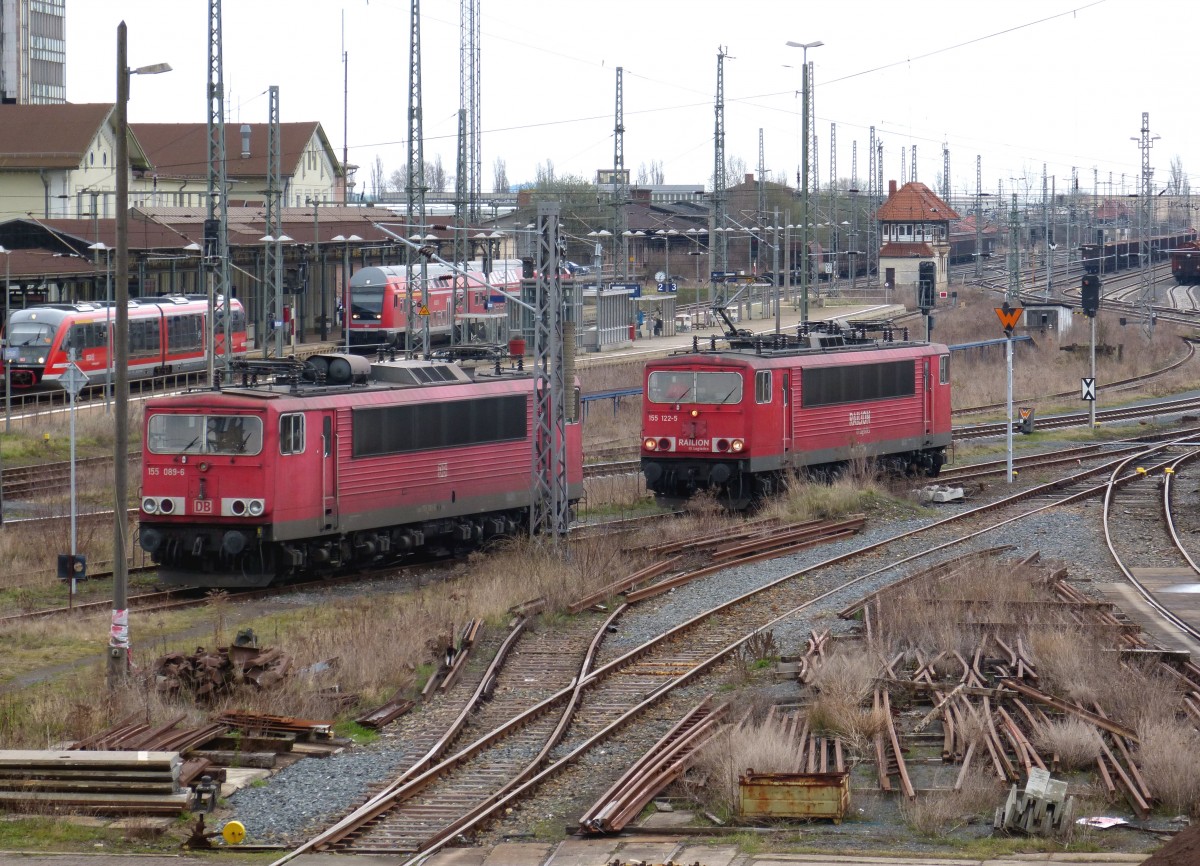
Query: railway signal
x=1089, y=295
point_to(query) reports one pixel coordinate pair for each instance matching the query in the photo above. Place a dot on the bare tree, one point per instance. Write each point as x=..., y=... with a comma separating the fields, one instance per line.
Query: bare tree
x=398, y=180
x=435, y=175
x=1177, y=182
x=545, y=173
x=378, y=182
x=650, y=174
x=499, y=176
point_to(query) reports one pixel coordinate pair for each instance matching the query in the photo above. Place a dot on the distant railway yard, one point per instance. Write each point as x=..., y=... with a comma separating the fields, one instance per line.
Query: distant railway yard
x=907, y=652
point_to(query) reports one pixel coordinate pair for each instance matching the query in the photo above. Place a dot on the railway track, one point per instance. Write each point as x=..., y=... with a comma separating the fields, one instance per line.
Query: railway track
x=1147, y=548
x=621, y=688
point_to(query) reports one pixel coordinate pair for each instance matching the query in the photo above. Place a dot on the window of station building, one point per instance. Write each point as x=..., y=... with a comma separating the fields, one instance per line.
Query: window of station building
x=291, y=434
x=762, y=386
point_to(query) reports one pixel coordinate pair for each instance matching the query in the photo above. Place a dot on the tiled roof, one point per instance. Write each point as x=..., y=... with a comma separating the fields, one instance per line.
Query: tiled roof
x=915, y=202
x=180, y=150
x=966, y=226
x=49, y=136
x=900, y=250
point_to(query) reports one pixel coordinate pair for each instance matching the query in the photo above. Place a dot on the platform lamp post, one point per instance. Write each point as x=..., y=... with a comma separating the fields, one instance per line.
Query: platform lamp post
x=118, y=635
x=7, y=359
x=345, y=242
x=804, y=218
x=99, y=247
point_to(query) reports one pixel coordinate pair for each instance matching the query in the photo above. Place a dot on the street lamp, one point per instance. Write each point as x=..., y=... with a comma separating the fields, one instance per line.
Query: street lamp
x=346, y=306
x=118, y=636
x=9, y=357
x=804, y=169
x=98, y=247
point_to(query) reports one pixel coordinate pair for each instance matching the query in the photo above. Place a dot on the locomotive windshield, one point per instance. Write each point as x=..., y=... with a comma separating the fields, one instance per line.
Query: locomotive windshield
x=692, y=386
x=205, y=434
x=366, y=304
x=29, y=334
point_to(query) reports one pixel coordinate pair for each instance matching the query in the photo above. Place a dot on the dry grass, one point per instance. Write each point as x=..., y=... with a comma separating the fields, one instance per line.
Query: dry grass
x=1073, y=741
x=761, y=746
x=942, y=812
x=381, y=641
x=1169, y=757
x=1084, y=667
x=988, y=596
x=844, y=684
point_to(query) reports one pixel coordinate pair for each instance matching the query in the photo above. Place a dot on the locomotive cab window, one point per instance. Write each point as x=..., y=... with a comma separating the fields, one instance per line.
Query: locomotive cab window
x=204, y=434
x=291, y=434
x=366, y=304
x=762, y=386
x=944, y=369
x=692, y=386
x=29, y=334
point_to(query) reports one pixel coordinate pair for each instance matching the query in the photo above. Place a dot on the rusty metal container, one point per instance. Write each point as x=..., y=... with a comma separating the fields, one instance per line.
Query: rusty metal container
x=795, y=795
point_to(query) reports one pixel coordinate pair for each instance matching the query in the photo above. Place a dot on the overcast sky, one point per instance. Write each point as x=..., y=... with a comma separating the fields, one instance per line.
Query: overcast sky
x=1021, y=83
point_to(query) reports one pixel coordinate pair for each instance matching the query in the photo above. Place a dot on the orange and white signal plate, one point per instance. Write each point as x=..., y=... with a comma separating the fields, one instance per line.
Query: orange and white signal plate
x=1009, y=318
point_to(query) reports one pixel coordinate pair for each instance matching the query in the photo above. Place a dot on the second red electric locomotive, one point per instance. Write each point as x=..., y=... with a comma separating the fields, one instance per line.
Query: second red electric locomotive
x=737, y=421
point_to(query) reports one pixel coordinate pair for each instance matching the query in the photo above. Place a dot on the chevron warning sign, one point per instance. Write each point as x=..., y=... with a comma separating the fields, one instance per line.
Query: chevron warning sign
x=1009, y=316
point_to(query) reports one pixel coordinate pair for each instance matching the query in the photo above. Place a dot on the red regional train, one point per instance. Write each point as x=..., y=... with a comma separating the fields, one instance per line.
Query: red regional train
x=335, y=463
x=1118, y=255
x=1185, y=263
x=378, y=299
x=166, y=334
x=739, y=421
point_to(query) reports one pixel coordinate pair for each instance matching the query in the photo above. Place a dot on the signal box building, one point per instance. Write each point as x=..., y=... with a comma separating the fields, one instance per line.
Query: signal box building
x=914, y=227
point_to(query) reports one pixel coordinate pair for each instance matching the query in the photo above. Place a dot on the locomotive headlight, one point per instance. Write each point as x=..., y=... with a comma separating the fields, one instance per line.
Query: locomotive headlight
x=650, y=444
x=695, y=413
x=238, y=507
x=256, y=507
x=166, y=506
x=737, y=445
x=150, y=505
x=41, y=359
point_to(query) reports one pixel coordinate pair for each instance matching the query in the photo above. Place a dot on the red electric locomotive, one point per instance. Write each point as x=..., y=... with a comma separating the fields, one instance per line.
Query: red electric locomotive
x=166, y=334
x=378, y=300
x=738, y=421
x=358, y=465
x=1185, y=263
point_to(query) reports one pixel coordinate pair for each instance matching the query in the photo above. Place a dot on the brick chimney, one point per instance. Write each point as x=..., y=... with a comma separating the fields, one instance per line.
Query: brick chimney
x=891, y=188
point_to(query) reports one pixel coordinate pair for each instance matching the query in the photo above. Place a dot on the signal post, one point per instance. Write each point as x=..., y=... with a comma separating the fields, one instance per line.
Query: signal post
x=1009, y=316
x=1089, y=300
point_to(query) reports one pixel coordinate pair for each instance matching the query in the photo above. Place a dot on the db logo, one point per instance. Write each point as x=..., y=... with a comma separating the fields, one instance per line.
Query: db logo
x=202, y=506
